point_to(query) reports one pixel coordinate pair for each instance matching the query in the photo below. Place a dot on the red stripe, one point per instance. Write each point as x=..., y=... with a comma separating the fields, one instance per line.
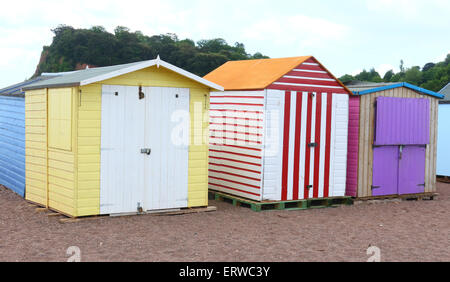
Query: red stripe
x=308, y=150
x=237, y=139
x=326, y=181
x=226, y=117
x=309, y=74
x=308, y=81
x=236, y=132
x=235, y=182
x=317, y=148
x=231, y=188
x=243, y=97
x=309, y=67
x=233, y=153
x=237, y=111
x=239, y=147
x=287, y=116
x=298, y=129
x=233, y=160
x=234, y=167
x=306, y=89
x=238, y=104
x=236, y=175
x=231, y=124
x=310, y=60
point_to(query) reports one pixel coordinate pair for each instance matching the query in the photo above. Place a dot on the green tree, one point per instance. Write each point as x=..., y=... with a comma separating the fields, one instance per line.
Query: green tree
x=97, y=47
x=388, y=76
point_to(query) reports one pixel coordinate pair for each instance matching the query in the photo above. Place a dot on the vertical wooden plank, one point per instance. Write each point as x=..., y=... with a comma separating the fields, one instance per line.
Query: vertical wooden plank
x=47, y=199
x=75, y=105
x=361, y=164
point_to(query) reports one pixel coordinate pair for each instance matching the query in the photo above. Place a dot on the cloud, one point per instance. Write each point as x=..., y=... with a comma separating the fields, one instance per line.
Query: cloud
x=408, y=9
x=383, y=68
x=302, y=30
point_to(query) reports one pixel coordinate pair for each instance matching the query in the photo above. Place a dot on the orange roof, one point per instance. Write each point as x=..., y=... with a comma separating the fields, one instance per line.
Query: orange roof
x=253, y=74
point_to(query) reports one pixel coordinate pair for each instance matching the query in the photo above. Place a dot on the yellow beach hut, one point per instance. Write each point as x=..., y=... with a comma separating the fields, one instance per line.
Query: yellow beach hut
x=119, y=139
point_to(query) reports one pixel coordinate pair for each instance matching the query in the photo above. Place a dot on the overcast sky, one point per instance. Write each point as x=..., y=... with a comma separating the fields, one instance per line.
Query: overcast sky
x=346, y=36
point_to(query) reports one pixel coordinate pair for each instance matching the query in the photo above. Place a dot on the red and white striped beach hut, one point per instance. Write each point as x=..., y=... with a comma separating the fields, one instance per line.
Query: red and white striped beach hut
x=279, y=131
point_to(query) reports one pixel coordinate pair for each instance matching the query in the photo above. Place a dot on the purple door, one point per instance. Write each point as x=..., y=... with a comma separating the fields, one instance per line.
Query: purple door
x=411, y=176
x=385, y=170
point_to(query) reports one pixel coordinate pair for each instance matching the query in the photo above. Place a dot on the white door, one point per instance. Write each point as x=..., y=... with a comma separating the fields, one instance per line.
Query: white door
x=129, y=178
x=167, y=135
x=122, y=137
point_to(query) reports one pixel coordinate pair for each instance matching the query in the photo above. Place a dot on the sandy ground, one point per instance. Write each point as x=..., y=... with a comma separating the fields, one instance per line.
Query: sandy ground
x=404, y=231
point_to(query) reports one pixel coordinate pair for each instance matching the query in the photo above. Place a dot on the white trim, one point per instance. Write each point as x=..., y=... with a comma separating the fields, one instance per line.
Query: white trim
x=310, y=71
x=147, y=64
x=310, y=85
x=312, y=78
x=291, y=144
x=312, y=155
x=310, y=64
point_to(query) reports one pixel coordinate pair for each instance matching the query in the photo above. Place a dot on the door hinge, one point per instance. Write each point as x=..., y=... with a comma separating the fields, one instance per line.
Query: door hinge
x=375, y=187
x=421, y=184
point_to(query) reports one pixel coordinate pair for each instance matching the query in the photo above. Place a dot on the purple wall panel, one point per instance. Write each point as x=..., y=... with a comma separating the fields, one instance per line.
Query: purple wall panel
x=353, y=145
x=402, y=121
x=385, y=170
x=411, y=175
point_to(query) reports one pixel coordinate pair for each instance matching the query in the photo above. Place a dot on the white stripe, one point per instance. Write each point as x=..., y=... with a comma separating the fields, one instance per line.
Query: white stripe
x=301, y=183
x=310, y=64
x=234, y=178
x=323, y=141
x=237, y=93
x=234, y=170
x=313, y=130
x=310, y=85
x=291, y=146
x=310, y=71
x=218, y=187
x=332, y=144
x=238, y=100
x=311, y=78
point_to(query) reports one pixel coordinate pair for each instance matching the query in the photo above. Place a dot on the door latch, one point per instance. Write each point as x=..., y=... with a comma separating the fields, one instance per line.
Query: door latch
x=421, y=185
x=401, y=152
x=312, y=145
x=375, y=187
x=309, y=186
x=146, y=151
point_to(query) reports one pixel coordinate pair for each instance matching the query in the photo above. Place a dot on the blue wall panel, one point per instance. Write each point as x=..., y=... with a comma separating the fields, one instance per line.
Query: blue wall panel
x=443, y=141
x=12, y=143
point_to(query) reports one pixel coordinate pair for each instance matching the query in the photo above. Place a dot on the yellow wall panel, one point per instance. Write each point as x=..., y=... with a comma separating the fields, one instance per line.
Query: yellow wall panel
x=60, y=118
x=49, y=171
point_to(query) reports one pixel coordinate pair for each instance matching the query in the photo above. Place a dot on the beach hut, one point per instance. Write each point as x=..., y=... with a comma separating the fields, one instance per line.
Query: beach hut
x=12, y=135
x=279, y=131
x=443, y=141
x=392, y=140
x=118, y=139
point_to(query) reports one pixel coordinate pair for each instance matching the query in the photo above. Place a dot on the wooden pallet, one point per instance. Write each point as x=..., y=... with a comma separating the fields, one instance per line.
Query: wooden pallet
x=409, y=197
x=281, y=205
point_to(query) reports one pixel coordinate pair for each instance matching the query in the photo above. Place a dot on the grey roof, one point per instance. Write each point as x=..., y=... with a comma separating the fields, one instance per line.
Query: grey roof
x=16, y=89
x=74, y=78
x=357, y=86
x=446, y=92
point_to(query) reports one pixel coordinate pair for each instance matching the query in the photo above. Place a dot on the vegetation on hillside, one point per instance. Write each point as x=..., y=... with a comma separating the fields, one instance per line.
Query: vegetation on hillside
x=432, y=76
x=74, y=48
